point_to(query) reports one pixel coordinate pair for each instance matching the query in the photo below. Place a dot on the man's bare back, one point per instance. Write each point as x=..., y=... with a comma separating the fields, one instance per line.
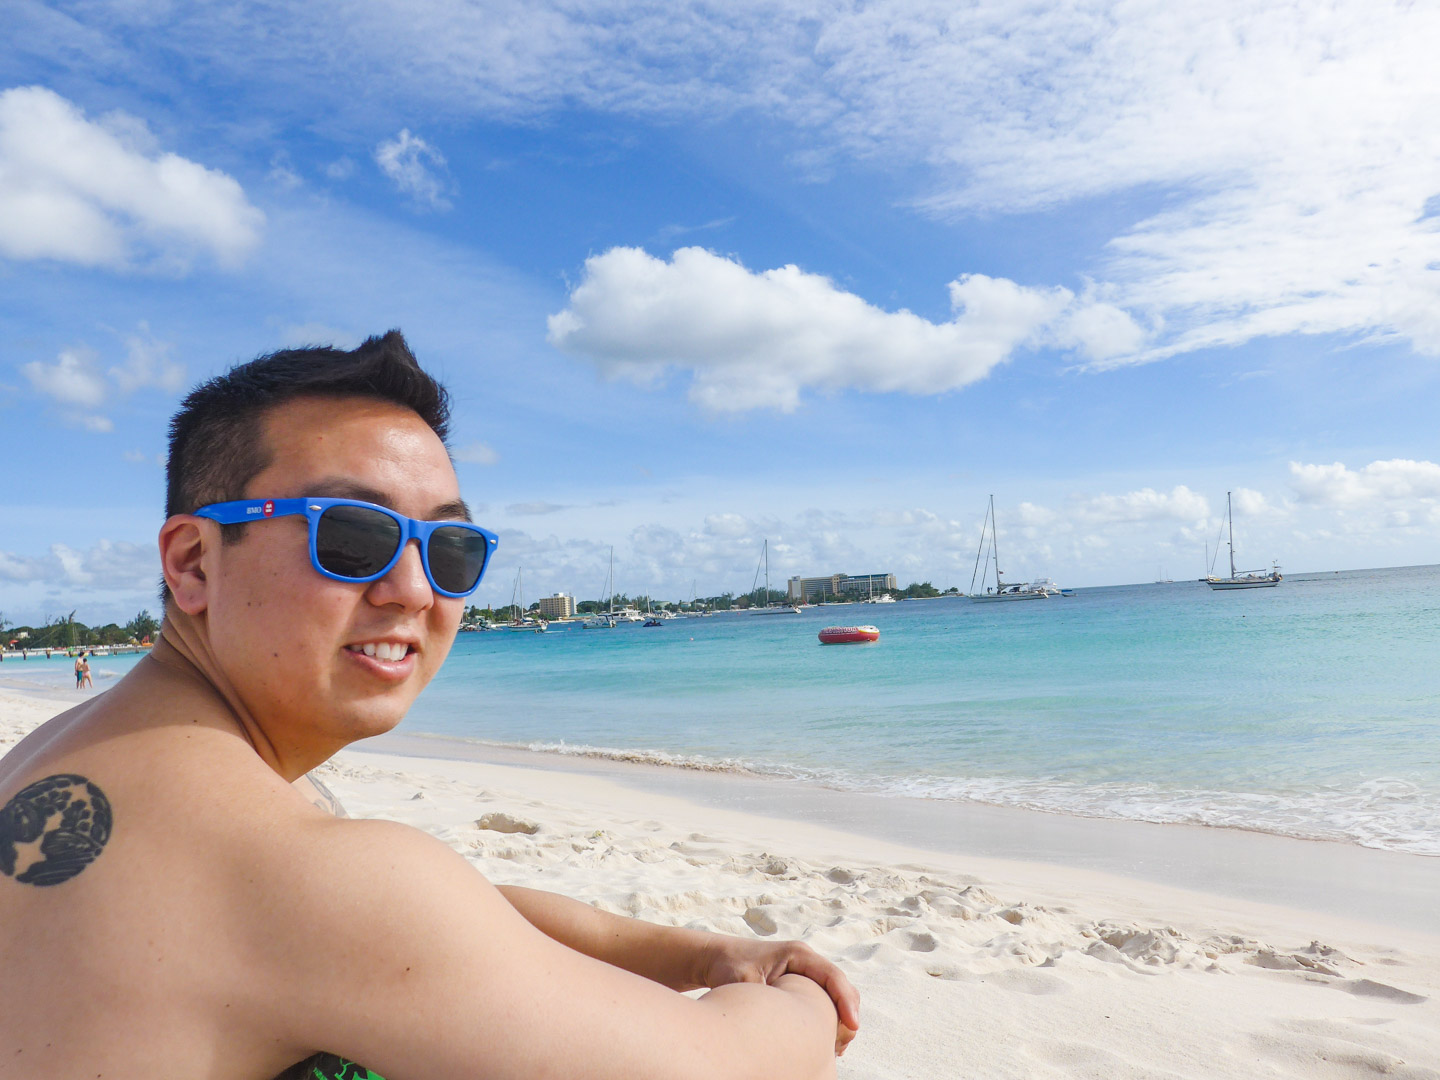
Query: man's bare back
x=171, y=906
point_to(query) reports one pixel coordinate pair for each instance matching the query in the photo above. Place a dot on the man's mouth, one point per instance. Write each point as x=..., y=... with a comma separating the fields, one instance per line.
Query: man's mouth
x=382, y=650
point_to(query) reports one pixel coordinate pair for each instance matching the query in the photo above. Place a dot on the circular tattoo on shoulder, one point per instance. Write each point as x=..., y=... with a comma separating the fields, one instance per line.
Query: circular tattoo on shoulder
x=68, y=815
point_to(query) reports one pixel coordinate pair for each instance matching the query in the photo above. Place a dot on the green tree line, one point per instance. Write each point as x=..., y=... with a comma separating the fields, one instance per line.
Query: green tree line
x=65, y=632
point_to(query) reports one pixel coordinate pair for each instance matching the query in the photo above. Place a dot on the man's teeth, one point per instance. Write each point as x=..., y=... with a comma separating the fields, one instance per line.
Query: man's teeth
x=385, y=650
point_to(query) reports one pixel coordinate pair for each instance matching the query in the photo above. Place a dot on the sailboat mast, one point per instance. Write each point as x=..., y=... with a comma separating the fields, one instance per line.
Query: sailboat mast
x=995, y=542
x=766, y=552
x=1230, y=517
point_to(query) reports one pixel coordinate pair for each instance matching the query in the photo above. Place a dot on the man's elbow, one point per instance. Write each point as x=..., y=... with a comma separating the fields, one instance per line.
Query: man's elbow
x=785, y=1031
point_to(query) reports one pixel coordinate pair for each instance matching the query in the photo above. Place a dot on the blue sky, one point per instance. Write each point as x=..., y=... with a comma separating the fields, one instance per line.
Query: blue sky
x=697, y=276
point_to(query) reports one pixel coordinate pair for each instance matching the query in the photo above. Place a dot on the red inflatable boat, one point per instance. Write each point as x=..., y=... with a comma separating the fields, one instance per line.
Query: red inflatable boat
x=848, y=635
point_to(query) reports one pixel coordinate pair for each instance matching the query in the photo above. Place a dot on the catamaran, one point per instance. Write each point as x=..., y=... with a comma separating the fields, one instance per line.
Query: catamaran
x=1000, y=591
x=1249, y=579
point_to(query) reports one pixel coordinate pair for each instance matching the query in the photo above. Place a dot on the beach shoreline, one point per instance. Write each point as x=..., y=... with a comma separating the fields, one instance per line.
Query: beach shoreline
x=1386, y=888
x=969, y=964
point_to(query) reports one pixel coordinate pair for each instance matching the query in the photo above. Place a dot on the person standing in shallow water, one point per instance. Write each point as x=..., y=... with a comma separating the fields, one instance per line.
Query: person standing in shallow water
x=85, y=681
x=316, y=556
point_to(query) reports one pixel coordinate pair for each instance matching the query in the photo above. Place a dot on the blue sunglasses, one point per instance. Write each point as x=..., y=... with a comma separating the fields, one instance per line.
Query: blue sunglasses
x=359, y=541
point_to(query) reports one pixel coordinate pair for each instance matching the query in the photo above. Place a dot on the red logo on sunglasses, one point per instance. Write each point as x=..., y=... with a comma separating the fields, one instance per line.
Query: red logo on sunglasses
x=269, y=508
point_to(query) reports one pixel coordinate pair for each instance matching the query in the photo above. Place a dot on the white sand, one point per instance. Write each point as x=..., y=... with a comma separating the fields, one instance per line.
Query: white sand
x=967, y=967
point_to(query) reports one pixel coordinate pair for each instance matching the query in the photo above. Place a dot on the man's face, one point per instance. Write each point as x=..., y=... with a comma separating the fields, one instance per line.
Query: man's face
x=291, y=641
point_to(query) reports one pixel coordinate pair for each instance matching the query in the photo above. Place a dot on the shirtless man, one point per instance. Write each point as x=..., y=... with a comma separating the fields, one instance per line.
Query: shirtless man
x=172, y=907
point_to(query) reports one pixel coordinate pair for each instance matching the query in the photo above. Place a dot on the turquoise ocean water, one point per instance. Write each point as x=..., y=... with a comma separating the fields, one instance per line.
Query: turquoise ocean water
x=1309, y=710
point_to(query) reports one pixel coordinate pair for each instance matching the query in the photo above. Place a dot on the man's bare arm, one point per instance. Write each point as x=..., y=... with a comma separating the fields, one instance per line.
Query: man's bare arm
x=396, y=953
x=670, y=955
x=677, y=957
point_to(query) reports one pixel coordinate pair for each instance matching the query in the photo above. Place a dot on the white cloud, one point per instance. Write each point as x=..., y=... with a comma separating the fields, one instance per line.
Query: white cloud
x=407, y=160
x=1089, y=538
x=1285, y=152
x=100, y=194
x=1251, y=503
x=282, y=172
x=147, y=363
x=21, y=568
x=476, y=453
x=107, y=566
x=727, y=525
x=1293, y=144
x=1147, y=505
x=71, y=380
x=753, y=340
x=1381, y=481
x=526, y=509
x=75, y=383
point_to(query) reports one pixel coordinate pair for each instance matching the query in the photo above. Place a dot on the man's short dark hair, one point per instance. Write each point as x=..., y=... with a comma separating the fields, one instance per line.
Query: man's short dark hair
x=214, y=445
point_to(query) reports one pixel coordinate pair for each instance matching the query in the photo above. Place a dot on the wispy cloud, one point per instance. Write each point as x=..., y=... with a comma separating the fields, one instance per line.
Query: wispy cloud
x=758, y=339
x=1289, y=148
x=476, y=453
x=74, y=382
x=1286, y=150
x=411, y=163
x=98, y=193
x=667, y=233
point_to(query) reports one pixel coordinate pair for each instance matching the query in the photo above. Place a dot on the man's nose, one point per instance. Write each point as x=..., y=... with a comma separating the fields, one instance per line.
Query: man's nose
x=406, y=583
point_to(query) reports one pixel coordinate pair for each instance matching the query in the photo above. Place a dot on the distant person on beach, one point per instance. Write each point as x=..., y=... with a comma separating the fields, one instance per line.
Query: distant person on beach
x=171, y=904
x=79, y=670
x=85, y=680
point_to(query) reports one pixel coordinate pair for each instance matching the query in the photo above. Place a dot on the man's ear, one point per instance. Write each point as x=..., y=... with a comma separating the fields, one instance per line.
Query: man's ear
x=183, y=541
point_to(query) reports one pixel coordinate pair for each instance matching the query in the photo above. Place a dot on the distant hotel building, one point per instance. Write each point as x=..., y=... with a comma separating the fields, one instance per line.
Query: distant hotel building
x=559, y=606
x=804, y=589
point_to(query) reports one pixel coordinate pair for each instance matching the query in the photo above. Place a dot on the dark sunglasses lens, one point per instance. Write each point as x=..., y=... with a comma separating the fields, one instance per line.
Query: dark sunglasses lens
x=457, y=558
x=355, y=541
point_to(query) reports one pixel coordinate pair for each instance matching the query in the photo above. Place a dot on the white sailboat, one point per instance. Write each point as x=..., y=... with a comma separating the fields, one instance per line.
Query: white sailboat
x=1000, y=591
x=769, y=607
x=605, y=620
x=1248, y=579
x=519, y=621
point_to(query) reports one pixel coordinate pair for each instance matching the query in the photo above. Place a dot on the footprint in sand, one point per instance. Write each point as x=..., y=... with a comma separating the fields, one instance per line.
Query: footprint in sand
x=922, y=942
x=504, y=823
x=759, y=920
x=1372, y=989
